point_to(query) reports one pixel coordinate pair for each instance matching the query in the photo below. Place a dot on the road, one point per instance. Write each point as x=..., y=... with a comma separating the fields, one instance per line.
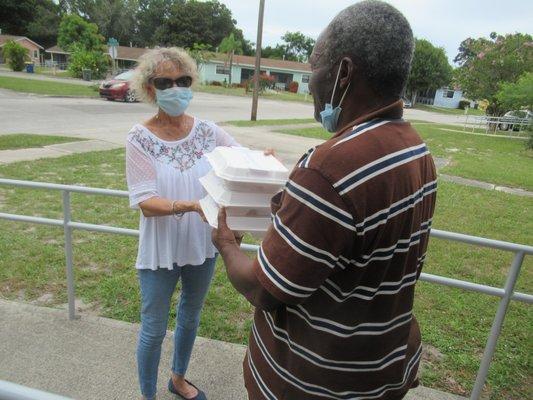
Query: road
x=110, y=121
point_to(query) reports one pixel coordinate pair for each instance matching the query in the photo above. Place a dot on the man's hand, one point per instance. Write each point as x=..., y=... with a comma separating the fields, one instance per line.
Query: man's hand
x=223, y=236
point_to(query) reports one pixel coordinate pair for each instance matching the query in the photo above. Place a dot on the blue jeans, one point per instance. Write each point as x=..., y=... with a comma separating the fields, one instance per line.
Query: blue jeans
x=156, y=293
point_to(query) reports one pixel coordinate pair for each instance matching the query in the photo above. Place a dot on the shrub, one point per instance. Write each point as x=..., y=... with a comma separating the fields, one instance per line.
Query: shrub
x=265, y=81
x=463, y=104
x=216, y=83
x=15, y=54
x=293, y=87
x=95, y=61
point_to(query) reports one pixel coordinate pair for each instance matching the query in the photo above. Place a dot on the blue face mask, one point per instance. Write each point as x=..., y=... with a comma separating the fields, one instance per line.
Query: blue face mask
x=330, y=116
x=174, y=101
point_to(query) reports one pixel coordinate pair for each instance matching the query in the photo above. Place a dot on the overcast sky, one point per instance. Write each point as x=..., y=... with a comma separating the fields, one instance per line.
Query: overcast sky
x=445, y=23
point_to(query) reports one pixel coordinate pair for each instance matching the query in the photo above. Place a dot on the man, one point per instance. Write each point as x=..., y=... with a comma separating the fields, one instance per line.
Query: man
x=333, y=281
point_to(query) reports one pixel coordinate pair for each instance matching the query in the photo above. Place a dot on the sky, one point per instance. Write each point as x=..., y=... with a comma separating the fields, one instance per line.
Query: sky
x=445, y=23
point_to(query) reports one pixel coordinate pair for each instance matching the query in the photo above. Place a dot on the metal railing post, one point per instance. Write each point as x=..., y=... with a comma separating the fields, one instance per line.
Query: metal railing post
x=68, y=255
x=497, y=326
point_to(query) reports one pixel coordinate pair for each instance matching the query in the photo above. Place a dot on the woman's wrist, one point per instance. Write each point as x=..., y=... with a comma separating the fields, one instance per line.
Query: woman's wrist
x=180, y=207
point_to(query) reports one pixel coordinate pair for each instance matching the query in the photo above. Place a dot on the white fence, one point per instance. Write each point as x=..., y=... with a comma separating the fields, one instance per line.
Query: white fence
x=507, y=126
x=506, y=293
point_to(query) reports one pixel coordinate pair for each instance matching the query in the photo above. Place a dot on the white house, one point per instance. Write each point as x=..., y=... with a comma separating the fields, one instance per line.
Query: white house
x=284, y=72
x=443, y=97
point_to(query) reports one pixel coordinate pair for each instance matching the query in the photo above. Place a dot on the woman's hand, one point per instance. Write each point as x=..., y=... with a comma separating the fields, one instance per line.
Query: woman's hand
x=223, y=237
x=196, y=207
x=271, y=152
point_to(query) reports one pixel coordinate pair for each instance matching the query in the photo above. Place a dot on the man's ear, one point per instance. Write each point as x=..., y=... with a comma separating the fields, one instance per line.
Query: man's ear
x=346, y=74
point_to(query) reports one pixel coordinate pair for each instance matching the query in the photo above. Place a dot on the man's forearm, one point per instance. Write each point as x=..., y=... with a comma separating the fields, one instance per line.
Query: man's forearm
x=239, y=268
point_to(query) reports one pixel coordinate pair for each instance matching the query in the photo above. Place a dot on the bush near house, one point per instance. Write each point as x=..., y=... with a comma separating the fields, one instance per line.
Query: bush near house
x=15, y=54
x=463, y=104
x=293, y=87
x=265, y=81
x=95, y=61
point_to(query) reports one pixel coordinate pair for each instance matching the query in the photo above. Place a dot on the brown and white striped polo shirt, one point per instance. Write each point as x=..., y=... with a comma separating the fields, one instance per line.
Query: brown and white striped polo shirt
x=343, y=253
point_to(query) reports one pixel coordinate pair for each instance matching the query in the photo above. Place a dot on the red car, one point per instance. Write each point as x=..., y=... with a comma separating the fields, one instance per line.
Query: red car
x=118, y=88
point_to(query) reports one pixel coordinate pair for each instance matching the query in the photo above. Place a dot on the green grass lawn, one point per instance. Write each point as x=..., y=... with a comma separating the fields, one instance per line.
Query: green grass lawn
x=47, y=87
x=455, y=322
x=449, y=111
x=285, y=96
x=26, y=140
x=272, y=122
x=490, y=159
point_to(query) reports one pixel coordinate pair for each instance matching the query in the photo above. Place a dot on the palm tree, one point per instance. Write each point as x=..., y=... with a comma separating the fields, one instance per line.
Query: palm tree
x=230, y=46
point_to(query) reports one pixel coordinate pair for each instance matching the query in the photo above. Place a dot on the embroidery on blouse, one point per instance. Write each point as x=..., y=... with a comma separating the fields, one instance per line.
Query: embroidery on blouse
x=183, y=155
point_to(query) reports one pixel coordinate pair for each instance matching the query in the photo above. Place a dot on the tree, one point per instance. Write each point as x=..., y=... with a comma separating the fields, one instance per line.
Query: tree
x=230, y=46
x=298, y=47
x=487, y=64
x=200, y=53
x=247, y=46
x=150, y=16
x=43, y=29
x=277, y=52
x=75, y=31
x=192, y=21
x=36, y=19
x=518, y=95
x=15, y=15
x=15, y=55
x=114, y=18
x=429, y=69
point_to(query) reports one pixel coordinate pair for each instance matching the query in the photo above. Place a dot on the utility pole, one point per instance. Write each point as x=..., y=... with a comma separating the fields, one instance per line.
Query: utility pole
x=258, y=59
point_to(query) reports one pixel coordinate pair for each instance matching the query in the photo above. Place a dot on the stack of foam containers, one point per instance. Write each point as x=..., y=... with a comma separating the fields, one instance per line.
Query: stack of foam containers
x=243, y=181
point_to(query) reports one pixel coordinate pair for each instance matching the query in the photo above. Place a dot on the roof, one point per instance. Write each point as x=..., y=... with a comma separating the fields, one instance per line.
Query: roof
x=130, y=53
x=265, y=62
x=56, y=49
x=7, y=38
x=123, y=52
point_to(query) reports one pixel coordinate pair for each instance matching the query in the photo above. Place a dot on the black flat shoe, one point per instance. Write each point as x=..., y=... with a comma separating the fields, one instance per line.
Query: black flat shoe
x=172, y=389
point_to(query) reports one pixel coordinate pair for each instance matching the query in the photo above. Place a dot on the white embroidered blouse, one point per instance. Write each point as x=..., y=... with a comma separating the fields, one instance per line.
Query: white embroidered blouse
x=171, y=169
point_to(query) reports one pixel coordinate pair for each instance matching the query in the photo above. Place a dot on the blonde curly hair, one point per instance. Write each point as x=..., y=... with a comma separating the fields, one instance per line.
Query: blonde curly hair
x=150, y=61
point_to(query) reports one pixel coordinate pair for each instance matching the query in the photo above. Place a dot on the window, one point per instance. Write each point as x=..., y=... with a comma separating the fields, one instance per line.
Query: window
x=35, y=53
x=446, y=93
x=305, y=78
x=222, y=70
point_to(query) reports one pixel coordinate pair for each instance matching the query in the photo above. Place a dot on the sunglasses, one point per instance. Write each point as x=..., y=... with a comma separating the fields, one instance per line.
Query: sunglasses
x=167, y=83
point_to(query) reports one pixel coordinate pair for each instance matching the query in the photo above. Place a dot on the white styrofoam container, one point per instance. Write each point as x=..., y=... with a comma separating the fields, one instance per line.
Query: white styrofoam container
x=238, y=204
x=248, y=170
x=255, y=226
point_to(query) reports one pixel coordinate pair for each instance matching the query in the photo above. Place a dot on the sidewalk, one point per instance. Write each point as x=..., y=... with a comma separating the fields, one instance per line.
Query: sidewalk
x=94, y=358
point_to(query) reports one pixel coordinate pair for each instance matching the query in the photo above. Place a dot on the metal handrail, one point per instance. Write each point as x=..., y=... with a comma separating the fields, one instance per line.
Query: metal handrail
x=506, y=294
x=12, y=391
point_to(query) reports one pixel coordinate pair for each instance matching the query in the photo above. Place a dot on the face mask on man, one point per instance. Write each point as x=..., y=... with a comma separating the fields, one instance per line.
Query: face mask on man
x=174, y=101
x=330, y=116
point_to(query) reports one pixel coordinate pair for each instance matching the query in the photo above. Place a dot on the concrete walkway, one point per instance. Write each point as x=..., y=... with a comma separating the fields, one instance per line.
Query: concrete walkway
x=288, y=148
x=55, y=150
x=94, y=358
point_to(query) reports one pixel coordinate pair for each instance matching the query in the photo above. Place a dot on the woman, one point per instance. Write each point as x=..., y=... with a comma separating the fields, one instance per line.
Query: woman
x=164, y=159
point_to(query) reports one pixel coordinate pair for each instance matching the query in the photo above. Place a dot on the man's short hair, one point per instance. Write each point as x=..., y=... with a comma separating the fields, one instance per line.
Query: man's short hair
x=378, y=39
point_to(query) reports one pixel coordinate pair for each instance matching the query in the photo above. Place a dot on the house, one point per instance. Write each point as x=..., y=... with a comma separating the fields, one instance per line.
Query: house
x=33, y=48
x=126, y=56
x=284, y=72
x=216, y=69
x=444, y=97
